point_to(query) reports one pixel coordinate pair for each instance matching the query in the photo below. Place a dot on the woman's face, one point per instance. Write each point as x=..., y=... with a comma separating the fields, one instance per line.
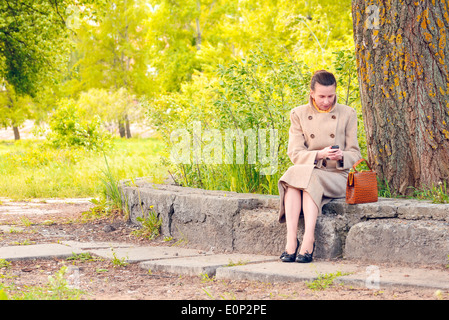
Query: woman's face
x=324, y=96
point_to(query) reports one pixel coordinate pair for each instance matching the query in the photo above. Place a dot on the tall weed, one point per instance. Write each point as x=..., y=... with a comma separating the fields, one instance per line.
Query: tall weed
x=111, y=188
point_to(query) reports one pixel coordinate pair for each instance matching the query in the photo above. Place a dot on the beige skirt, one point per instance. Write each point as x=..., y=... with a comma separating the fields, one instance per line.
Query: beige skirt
x=323, y=185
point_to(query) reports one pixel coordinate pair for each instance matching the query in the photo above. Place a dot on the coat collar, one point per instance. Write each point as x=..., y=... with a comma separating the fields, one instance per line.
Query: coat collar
x=310, y=104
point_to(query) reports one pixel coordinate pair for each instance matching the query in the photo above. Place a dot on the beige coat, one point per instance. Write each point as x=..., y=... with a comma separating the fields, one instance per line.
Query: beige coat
x=311, y=131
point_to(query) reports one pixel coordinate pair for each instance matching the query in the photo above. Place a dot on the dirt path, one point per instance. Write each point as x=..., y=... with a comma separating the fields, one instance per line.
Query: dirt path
x=50, y=221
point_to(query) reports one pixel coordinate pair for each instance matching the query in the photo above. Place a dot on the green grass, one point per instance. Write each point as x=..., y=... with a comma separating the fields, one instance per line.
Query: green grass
x=57, y=288
x=437, y=194
x=151, y=225
x=324, y=281
x=33, y=169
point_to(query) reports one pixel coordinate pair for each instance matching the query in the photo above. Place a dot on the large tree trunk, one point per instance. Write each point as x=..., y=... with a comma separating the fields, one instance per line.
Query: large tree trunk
x=402, y=62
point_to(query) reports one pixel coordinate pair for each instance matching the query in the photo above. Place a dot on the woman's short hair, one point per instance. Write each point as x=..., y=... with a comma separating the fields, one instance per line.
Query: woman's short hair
x=324, y=78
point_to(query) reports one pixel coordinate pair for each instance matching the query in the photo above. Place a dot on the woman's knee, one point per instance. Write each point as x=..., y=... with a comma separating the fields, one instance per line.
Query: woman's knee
x=292, y=190
x=293, y=195
x=306, y=195
x=308, y=200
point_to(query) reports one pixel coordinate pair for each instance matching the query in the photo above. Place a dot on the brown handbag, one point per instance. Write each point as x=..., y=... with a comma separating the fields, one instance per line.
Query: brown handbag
x=362, y=185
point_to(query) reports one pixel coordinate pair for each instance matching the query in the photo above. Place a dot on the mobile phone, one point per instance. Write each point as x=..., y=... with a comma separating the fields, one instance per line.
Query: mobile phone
x=334, y=147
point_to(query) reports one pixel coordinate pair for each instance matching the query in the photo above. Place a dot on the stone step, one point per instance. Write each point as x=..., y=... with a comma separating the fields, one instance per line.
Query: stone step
x=134, y=254
x=399, y=240
x=237, y=266
x=203, y=265
x=37, y=251
x=248, y=223
x=370, y=276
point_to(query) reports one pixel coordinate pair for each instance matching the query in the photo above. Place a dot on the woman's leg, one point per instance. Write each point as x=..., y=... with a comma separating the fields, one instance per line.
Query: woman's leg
x=310, y=215
x=292, y=201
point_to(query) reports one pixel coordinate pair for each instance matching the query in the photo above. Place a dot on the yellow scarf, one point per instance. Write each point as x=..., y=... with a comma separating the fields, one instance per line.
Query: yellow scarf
x=319, y=110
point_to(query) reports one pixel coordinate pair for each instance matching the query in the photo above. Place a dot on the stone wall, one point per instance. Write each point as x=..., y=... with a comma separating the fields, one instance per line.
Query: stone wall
x=390, y=230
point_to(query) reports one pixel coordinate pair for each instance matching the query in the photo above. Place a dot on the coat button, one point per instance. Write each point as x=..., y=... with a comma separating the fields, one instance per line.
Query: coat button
x=334, y=117
x=310, y=117
x=332, y=135
x=312, y=136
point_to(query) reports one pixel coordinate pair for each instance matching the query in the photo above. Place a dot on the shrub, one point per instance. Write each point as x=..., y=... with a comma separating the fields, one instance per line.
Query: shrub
x=255, y=93
x=71, y=126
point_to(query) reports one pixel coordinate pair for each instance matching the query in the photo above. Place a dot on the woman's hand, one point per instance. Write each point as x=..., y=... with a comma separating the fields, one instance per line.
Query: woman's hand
x=331, y=154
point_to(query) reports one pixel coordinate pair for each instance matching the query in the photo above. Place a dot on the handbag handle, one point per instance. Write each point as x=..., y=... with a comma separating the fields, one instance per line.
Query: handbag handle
x=359, y=162
x=351, y=174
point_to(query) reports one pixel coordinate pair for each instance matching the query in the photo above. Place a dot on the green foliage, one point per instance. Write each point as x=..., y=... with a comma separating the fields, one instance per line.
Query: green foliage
x=3, y=295
x=256, y=93
x=259, y=91
x=103, y=209
x=26, y=26
x=253, y=86
x=71, y=126
x=323, y=281
x=56, y=288
x=34, y=41
x=111, y=189
x=111, y=49
x=112, y=106
x=14, y=108
x=347, y=83
x=82, y=257
x=189, y=35
x=437, y=194
x=29, y=157
x=4, y=263
x=384, y=189
x=348, y=90
x=118, y=262
x=151, y=225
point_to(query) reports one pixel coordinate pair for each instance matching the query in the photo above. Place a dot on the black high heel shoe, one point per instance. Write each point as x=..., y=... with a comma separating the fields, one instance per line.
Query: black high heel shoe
x=285, y=257
x=306, y=257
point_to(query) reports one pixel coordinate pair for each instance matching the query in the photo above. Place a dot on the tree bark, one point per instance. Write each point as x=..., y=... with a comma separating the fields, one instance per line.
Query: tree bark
x=402, y=63
x=124, y=127
x=16, y=133
x=198, y=29
x=121, y=128
x=127, y=127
